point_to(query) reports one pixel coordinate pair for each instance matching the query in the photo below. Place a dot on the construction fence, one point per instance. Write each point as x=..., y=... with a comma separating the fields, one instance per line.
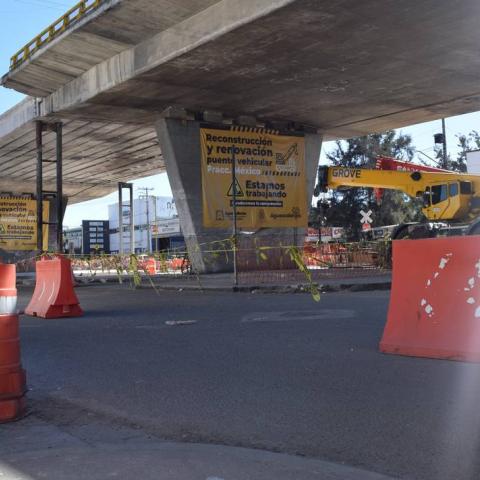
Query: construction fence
x=257, y=263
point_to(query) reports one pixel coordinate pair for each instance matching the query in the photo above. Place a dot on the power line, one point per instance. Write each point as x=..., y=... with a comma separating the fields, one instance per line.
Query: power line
x=428, y=156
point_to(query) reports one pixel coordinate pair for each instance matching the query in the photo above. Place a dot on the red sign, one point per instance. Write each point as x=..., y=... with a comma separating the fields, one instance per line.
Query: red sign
x=327, y=233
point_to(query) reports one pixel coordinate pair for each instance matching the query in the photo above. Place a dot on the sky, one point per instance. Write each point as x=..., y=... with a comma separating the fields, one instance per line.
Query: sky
x=22, y=20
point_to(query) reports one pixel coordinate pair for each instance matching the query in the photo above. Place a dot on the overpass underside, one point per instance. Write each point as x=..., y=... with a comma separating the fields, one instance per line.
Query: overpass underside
x=331, y=68
x=96, y=155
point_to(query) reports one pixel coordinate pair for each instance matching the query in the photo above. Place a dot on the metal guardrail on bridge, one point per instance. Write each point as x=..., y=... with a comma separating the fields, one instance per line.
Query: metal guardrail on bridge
x=56, y=28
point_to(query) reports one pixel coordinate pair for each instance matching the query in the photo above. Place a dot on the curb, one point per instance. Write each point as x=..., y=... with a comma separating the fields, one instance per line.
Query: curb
x=292, y=288
x=324, y=288
x=297, y=288
x=356, y=287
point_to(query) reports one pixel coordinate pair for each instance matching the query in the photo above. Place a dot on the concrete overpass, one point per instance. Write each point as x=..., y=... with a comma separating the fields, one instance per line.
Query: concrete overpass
x=332, y=69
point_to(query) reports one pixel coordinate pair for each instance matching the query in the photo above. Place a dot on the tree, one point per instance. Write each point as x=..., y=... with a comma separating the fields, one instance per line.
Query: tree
x=345, y=205
x=466, y=143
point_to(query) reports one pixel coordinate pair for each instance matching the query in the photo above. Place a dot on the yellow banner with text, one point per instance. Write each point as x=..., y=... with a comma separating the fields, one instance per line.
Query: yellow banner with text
x=270, y=187
x=18, y=224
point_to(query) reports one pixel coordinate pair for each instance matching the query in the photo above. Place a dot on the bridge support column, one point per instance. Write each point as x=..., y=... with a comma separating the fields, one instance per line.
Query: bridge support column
x=180, y=143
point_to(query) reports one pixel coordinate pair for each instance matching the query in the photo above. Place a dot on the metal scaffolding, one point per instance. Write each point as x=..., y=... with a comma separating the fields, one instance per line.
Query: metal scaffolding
x=58, y=192
x=121, y=226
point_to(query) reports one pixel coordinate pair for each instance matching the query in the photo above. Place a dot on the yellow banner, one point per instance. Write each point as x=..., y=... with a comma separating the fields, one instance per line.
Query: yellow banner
x=18, y=224
x=270, y=178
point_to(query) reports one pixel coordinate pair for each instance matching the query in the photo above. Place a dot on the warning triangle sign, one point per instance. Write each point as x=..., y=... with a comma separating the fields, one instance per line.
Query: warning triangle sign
x=238, y=190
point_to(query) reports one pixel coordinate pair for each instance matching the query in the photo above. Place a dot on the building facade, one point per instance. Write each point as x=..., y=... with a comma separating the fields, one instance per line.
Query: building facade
x=92, y=237
x=156, y=225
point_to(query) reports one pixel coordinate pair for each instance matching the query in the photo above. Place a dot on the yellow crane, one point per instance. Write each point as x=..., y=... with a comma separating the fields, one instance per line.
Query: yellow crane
x=451, y=200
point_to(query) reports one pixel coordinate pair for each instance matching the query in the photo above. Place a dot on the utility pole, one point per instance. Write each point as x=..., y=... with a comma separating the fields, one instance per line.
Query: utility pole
x=444, y=132
x=234, y=226
x=320, y=221
x=155, y=222
x=146, y=196
x=441, y=138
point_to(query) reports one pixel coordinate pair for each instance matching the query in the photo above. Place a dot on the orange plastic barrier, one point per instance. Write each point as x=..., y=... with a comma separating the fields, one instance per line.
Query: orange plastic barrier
x=151, y=266
x=176, y=263
x=8, y=290
x=54, y=296
x=435, y=299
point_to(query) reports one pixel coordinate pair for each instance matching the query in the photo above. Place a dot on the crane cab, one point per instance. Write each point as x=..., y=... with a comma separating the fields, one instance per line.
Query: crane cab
x=447, y=200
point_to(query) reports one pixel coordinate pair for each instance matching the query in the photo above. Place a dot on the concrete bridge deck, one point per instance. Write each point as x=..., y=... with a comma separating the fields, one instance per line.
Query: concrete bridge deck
x=343, y=68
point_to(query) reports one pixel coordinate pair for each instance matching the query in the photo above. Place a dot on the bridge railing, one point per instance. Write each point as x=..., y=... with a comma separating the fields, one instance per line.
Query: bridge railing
x=73, y=15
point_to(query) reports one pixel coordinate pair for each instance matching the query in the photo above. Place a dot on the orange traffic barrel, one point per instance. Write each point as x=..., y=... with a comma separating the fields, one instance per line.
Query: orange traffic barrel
x=12, y=409
x=9, y=344
x=12, y=375
x=8, y=291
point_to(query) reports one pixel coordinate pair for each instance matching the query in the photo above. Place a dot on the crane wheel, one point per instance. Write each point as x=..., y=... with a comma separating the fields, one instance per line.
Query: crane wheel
x=403, y=231
x=413, y=231
x=474, y=229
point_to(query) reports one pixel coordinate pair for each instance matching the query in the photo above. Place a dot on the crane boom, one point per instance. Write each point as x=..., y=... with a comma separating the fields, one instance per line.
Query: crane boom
x=390, y=163
x=409, y=182
x=446, y=195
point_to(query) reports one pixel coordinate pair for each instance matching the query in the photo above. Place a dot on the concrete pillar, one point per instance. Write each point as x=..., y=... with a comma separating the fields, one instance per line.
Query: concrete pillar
x=180, y=143
x=52, y=230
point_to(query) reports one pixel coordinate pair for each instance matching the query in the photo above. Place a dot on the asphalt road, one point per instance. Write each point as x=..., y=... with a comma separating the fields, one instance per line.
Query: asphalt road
x=274, y=372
